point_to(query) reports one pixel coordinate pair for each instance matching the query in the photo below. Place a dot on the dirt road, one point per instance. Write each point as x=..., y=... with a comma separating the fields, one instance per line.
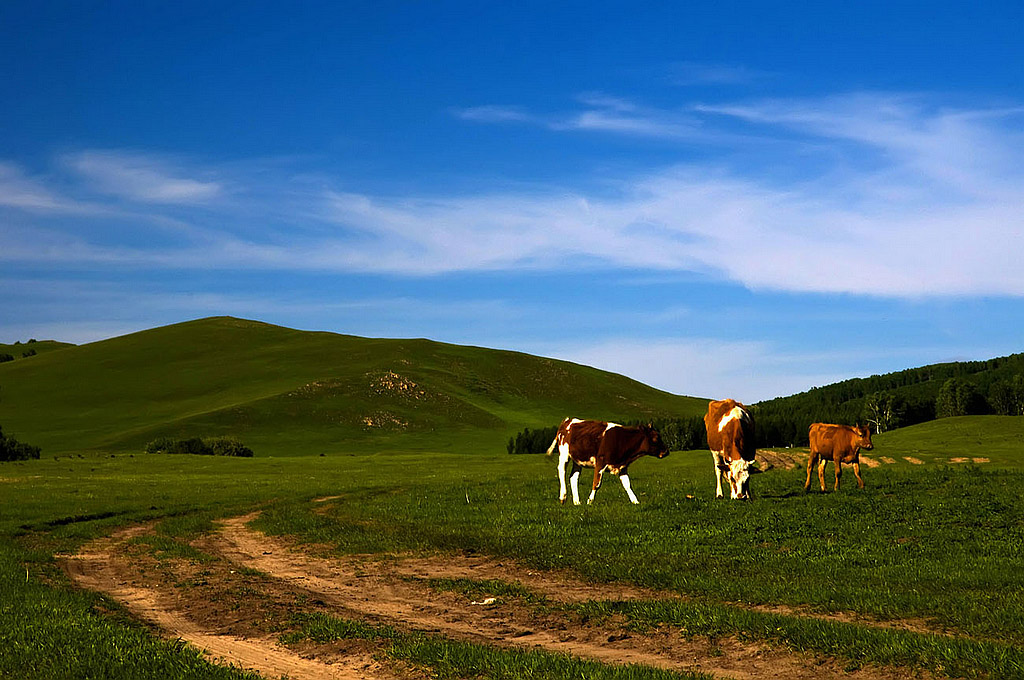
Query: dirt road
x=235, y=602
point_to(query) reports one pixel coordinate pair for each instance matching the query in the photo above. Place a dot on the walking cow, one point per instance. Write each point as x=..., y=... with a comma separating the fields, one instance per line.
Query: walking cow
x=839, y=444
x=602, y=446
x=730, y=430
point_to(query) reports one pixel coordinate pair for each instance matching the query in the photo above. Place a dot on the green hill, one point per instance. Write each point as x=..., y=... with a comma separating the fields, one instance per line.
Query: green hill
x=27, y=350
x=965, y=439
x=290, y=392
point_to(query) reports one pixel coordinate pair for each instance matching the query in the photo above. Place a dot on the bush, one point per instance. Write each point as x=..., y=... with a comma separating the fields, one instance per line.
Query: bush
x=217, y=446
x=6, y=357
x=12, y=449
x=226, y=446
x=532, y=441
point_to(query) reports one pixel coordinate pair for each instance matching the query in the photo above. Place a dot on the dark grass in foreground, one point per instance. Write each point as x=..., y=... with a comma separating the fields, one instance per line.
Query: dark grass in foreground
x=56, y=634
x=855, y=644
x=455, y=659
x=942, y=545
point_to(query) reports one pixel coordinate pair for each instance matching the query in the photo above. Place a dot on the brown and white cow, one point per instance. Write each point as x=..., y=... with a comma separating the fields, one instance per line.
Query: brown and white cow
x=730, y=430
x=604, y=447
x=839, y=444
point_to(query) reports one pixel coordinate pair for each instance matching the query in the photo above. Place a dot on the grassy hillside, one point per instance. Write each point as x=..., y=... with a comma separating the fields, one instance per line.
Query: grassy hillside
x=998, y=440
x=31, y=348
x=287, y=392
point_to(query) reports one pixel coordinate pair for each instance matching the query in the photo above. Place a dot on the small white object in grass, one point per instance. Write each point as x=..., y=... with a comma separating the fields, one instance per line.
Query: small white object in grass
x=486, y=600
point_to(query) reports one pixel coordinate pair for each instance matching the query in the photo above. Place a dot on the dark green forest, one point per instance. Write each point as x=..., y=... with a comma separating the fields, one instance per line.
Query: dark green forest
x=885, y=402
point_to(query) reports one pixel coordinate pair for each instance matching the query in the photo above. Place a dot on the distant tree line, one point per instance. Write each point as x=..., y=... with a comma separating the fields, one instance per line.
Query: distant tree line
x=784, y=422
x=677, y=433
x=532, y=441
x=885, y=402
x=12, y=449
x=216, y=446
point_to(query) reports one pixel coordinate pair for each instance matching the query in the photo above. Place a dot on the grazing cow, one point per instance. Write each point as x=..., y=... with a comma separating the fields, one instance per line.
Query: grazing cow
x=602, y=446
x=731, y=440
x=839, y=444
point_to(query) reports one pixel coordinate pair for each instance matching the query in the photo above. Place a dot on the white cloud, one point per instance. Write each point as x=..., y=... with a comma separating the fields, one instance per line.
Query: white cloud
x=140, y=177
x=22, y=192
x=749, y=371
x=906, y=200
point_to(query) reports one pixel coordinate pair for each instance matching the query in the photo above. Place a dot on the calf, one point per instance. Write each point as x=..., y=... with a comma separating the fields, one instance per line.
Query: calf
x=730, y=430
x=839, y=444
x=602, y=446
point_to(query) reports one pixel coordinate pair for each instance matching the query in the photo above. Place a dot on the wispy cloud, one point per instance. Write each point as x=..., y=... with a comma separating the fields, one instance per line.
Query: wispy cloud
x=18, y=190
x=141, y=177
x=697, y=73
x=600, y=113
x=492, y=113
x=714, y=368
x=906, y=199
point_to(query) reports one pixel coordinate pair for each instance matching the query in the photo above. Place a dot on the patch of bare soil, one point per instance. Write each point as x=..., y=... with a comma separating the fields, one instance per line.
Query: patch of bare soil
x=772, y=458
x=236, y=604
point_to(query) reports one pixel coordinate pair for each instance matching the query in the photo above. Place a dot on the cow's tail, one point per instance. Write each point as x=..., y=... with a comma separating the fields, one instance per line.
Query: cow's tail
x=554, y=445
x=554, y=442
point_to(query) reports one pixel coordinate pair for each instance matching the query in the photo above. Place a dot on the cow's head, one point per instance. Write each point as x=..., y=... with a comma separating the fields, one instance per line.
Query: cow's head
x=863, y=437
x=655, y=444
x=739, y=478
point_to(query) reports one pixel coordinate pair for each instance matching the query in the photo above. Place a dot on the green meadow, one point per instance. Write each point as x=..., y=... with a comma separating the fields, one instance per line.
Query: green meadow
x=937, y=544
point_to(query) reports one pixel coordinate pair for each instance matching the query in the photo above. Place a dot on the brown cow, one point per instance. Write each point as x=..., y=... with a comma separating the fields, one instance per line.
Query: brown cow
x=839, y=444
x=602, y=446
x=731, y=440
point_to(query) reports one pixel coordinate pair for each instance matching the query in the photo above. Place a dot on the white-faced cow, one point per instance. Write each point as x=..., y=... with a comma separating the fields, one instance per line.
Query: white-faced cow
x=730, y=430
x=602, y=446
x=839, y=444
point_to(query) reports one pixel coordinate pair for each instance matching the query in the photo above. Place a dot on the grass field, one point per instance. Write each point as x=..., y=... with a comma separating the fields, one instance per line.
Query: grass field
x=938, y=545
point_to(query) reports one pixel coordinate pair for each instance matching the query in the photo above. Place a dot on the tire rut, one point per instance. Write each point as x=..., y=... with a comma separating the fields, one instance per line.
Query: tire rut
x=392, y=590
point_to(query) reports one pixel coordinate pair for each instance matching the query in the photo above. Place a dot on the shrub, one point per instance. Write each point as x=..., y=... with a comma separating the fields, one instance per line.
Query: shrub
x=12, y=449
x=6, y=357
x=226, y=446
x=217, y=446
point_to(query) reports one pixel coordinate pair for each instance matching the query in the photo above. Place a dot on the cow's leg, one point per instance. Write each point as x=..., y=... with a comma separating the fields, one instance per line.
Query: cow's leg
x=563, y=460
x=598, y=473
x=810, y=470
x=856, y=473
x=839, y=473
x=821, y=472
x=624, y=478
x=718, y=474
x=574, y=479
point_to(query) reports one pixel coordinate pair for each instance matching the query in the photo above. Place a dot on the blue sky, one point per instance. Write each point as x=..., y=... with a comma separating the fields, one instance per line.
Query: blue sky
x=719, y=199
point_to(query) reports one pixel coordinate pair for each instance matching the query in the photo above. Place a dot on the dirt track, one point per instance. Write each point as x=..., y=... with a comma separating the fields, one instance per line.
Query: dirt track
x=236, y=605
